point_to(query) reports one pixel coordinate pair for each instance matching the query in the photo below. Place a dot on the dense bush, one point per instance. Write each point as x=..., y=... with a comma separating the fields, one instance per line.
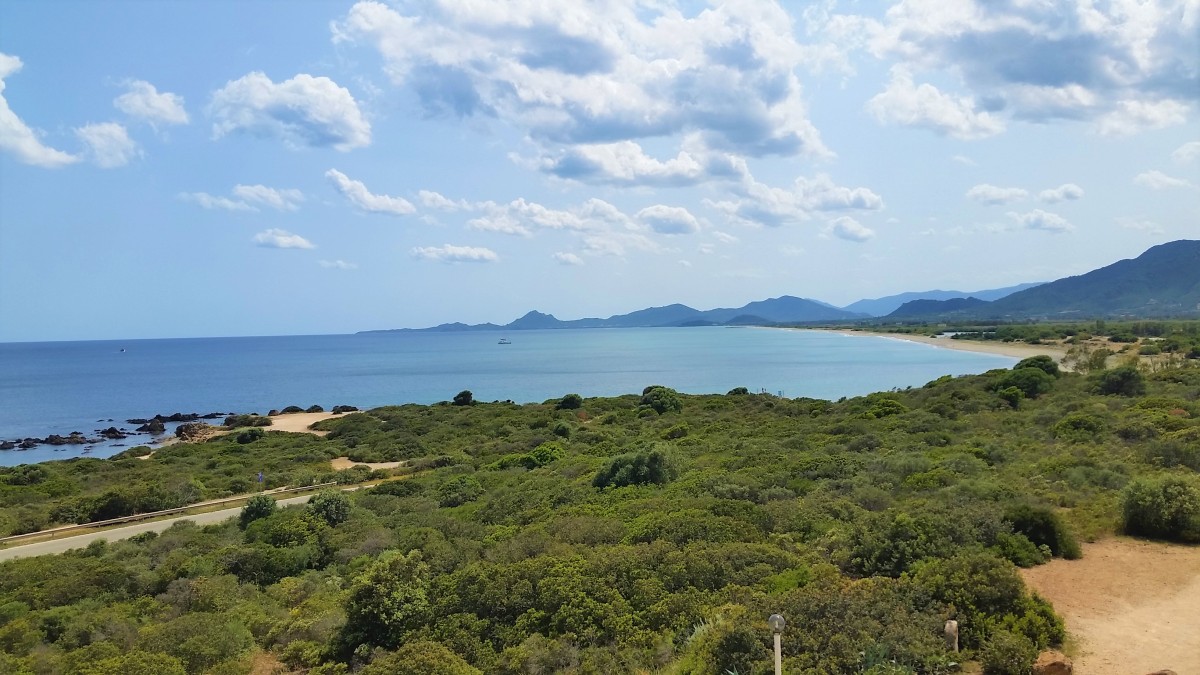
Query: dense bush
x=570, y=402
x=1166, y=507
x=637, y=468
x=256, y=508
x=661, y=399
x=1007, y=653
x=1122, y=381
x=247, y=421
x=1043, y=527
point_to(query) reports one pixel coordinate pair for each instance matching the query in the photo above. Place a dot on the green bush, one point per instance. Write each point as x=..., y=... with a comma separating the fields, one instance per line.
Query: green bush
x=256, y=508
x=463, y=398
x=637, y=468
x=250, y=435
x=247, y=421
x=661, y=399
x=1041, y=362
x=1032, y=382
x=1043, y=527
x=1122, y=381
x=332, y=506
x=570, y=402
x=1166, y=507
x=459, y=490
x=1008, y=653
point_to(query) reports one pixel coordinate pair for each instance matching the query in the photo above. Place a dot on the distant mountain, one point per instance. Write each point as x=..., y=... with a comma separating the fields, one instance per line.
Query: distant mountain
x=886, y=305
x=920, y=308
x=784, y=309
x=1163, y=281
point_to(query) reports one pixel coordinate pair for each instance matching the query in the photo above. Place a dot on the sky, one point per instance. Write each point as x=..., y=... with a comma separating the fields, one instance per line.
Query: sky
x=209, y=168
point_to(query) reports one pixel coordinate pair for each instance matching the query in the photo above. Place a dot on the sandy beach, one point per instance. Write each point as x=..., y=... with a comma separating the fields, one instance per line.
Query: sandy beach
x=1017, y=350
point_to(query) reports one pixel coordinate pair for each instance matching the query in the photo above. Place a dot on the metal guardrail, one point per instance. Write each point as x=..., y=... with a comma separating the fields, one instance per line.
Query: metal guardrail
x=153, y=514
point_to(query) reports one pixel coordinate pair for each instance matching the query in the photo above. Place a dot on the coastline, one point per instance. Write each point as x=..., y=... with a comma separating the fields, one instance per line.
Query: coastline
x=1017, y=350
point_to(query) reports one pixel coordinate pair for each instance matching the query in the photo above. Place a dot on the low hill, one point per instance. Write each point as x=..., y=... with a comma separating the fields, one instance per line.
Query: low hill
x=888, y=304
x=920, y=308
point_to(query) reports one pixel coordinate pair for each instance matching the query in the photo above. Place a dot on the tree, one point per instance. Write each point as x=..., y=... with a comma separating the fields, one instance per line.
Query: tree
x=332, y=506
x=1166, y=508
x=423, y=657
x=1041, y=362
x=459, y=490
x=1032, y=382
x=257, y=507
x=1122, y=381
x=636, y=468
x=661, y=399
x=387, y=601
x=570, y=402
x=464, y=397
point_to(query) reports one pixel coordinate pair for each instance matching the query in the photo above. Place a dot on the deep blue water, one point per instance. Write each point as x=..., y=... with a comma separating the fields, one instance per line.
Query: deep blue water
x=59, y=387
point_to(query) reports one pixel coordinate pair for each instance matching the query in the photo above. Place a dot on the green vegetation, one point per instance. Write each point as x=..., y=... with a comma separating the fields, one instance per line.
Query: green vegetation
x=656, y=534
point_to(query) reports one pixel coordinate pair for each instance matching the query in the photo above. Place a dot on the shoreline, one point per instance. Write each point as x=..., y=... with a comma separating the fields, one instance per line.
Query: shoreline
x=1016, y=350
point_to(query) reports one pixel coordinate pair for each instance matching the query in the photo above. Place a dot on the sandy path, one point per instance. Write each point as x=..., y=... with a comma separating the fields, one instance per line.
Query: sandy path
x=1133, y=606
x=343, y=463
x=300, y=422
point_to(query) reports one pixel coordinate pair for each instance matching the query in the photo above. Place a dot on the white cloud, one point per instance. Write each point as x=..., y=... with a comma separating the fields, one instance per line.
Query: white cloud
x=847, y=228
x=360, y=196
x=276, y=238
x=907, y=104
x=1130, y=117
x=1187, y=153
x=337, y=264
x=669, y=219
x=1126, y=65
x=1157, y=180
x=208, y=201
x=964, y=160
x=1062, y=193
x=282, y=200
x=434, y=200
x=588, y=82
x=453, y=254
x=724, y=237
x=16, y=137
x=760, y=204
x=1141, y=224
x=502, y=223
x=985, y=193
x=303, y=111
x=145, y=102
x=109, y=144
x=1038, y=219
x=568, y=258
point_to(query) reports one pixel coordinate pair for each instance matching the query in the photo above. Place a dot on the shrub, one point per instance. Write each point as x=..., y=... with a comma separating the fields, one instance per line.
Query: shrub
x=661, y=399
x=570, y=402
x=561, y=429
x=398, y=488
x=637, y=468
x=458, y=491
x=250, y=435
x=1164, y=508
x=464, y=397
x=332, y=506
x=1007, y=653
x=1041, y=362
x=738, y=391
x=314, y=409
x=256, y=508
x=1079, y=427
x=243, y=421
x=1032, y=382
x=1043, y=527
x=1012, y=396
x=291, y=410
x=339, y=409
x=1122, y=381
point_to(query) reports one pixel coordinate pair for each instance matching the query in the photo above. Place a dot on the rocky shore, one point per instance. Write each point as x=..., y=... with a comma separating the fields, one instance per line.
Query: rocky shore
x=152, y=426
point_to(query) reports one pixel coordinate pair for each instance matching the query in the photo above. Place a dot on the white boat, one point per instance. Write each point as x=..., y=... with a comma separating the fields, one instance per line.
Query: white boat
x=504, y=341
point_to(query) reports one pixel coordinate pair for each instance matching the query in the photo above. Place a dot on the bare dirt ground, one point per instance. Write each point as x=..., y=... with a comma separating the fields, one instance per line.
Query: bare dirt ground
x=343, y=463
x=1133, y=607
x=299, y=422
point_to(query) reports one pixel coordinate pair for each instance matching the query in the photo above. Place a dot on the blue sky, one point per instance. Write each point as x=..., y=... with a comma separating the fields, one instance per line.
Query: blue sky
x=250, y=168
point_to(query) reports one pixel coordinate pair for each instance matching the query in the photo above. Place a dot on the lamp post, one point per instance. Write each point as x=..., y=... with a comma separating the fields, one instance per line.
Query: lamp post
x=777, y=624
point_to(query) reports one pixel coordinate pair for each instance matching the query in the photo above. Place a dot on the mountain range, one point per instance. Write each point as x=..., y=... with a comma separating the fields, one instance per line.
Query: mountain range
x=1163, y=281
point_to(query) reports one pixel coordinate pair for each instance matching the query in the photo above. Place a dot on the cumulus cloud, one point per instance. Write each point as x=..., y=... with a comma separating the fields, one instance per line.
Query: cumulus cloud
x=724, y=237
x=1157, y=180
x=669, y=219
x=589, y=81
x=16, y=137
x=1187, y=153
x=143, y=101
x=1038, y=219
x=281, y=200
x=360, y=196
x=761, y=204
x=845, y=227
x=337, y=265
x=905, y=103
x=434, y=200
x=1062, y=193
x=568, y=258
x=109, y=144
x=985, y=193
x=455, y=254
x=249, y=197
x=1141, y=224
x=276, y=238
x=303, y=111
x=502, y=223
x=1125, y=65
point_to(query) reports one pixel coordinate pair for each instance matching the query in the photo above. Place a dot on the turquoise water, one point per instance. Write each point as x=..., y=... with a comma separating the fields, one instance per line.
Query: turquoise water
x=59, y=387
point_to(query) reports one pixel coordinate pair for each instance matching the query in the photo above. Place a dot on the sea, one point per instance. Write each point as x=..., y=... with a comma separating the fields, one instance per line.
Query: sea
x=60, y=387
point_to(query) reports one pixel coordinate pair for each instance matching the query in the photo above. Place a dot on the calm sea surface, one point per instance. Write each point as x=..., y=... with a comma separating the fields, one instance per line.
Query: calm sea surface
x=59, y=387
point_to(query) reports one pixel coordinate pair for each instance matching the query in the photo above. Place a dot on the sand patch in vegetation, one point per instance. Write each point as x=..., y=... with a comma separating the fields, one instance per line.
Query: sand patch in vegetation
x=343, y=463
x=1133, y=606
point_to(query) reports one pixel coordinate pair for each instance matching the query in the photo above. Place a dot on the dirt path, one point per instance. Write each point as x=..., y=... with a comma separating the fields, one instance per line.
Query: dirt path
x=343, y=463
x=1132, y=606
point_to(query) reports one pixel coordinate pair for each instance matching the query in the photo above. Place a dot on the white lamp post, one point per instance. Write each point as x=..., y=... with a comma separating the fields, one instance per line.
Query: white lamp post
x=777, y=624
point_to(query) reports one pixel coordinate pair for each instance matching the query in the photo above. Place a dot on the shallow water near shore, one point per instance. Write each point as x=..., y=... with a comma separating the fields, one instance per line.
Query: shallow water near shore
x=60, y=387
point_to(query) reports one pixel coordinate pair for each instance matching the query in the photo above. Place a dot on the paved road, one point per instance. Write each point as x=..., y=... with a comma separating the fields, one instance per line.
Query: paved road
x=82, y=540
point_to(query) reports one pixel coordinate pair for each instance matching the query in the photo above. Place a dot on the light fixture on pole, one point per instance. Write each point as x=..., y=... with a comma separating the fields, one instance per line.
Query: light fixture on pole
x=777, y=624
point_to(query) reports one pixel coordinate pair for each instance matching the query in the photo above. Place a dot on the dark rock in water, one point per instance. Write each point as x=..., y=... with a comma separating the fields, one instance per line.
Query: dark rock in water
x=153, y=426
x=112, y=434
x=214, y=415
x=28, y=443
x=7, y=445
x=176, y=417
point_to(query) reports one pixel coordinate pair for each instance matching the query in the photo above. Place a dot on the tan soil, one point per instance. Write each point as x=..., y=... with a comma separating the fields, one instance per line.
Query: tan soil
x=343, y=463
x=1132, y=606
x=300, y=422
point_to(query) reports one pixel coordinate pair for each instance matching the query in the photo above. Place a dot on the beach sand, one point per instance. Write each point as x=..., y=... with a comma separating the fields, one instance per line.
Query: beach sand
x=1017, y=350
x=297, y=423
x=343, y=463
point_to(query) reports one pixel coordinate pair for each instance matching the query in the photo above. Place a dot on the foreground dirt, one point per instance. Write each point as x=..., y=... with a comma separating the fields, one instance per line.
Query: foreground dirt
x=1133, y=607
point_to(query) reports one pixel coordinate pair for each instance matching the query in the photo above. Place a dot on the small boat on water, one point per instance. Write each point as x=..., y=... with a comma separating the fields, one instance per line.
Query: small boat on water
x=504, y=341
